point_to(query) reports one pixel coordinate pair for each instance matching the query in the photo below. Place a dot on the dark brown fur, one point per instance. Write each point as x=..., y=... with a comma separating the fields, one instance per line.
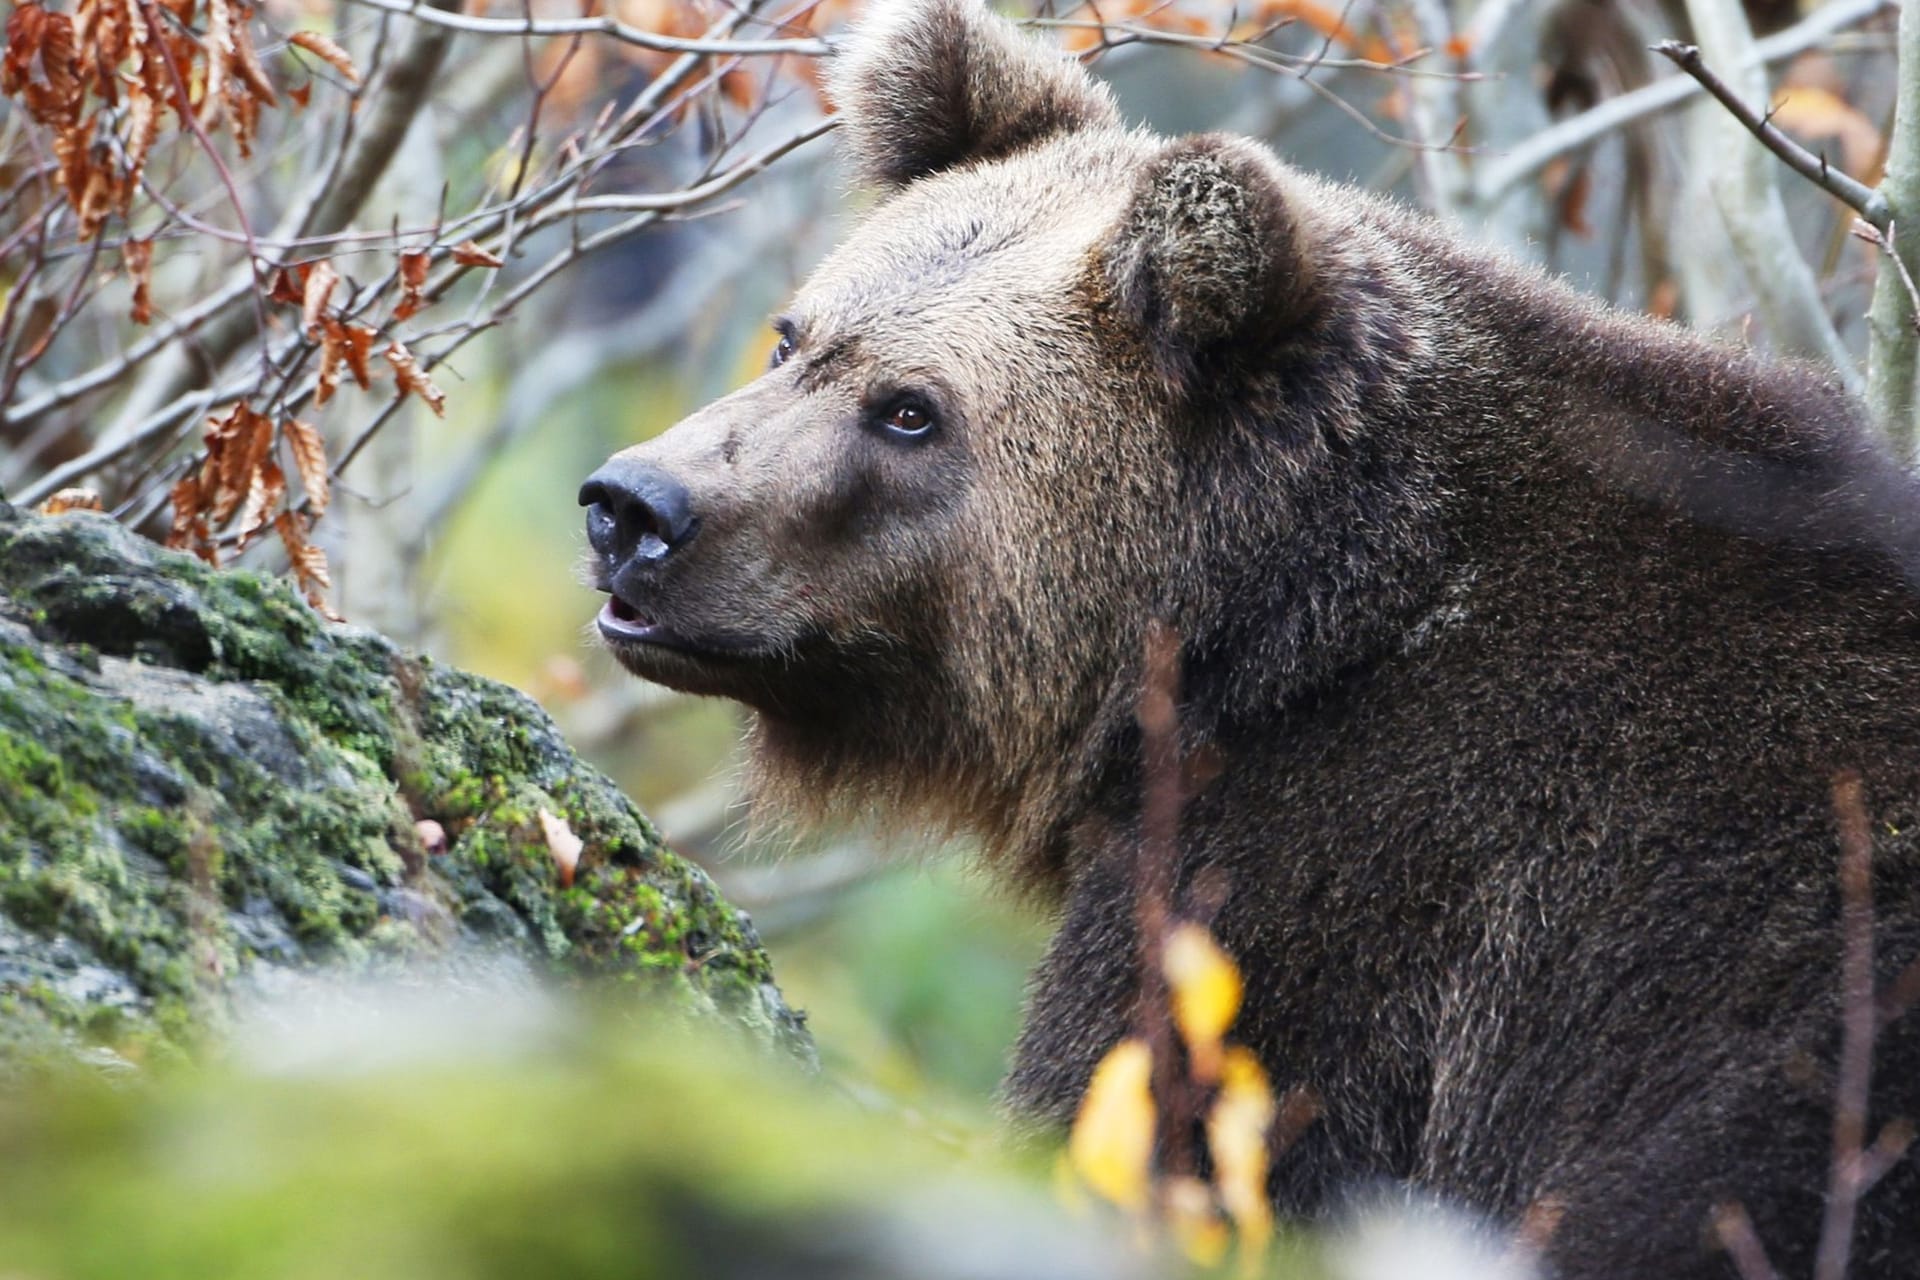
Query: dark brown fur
x=1530, y=637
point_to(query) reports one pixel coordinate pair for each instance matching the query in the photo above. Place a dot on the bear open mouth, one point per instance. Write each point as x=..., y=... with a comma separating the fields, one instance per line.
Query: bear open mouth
x=620, y=621
x=626, y=613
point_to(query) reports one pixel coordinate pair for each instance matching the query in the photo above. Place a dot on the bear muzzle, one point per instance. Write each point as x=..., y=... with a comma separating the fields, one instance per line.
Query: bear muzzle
x=637, y=516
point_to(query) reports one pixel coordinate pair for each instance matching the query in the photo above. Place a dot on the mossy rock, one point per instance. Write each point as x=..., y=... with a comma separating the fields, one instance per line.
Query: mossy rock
x=203, y=783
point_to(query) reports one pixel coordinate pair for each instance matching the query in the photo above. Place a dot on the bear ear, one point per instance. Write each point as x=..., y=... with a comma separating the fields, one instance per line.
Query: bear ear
x=1208, y=261
x=925, y=85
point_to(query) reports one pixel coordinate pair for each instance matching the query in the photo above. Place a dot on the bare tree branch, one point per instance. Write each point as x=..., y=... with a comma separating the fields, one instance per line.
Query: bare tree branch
x=1859, y=1019
x=1537, y=152
x=1862, y=199
x=1893, y=358
x=613, y=28
x=1741, y=183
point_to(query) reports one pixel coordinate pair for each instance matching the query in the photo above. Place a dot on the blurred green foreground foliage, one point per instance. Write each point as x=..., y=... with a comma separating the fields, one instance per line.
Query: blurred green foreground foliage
x=536, y=1144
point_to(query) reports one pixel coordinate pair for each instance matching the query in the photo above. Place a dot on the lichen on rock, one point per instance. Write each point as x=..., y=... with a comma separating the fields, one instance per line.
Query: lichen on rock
x=202, y=781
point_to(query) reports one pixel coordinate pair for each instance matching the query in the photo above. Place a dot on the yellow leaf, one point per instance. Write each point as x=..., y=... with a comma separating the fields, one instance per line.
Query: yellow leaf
x=1111, y=1145
x=1206, y=994
x=1237, y=1129
x=1197, y=1226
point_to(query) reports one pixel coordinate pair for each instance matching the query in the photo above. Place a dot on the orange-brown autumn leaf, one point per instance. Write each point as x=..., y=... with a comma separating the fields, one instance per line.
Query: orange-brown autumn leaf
x=288, y=284
x=265, y=489
x=413, y=277
x=70, y=500
x=39, y=67
x=469, y=254
x=343, y=344
x=310, y=459
x=412, y=378
x=327, y=51
x=1111, y=1144
x=321, y=280
x=137, y=257
x=190, y=531
x=237, y=447
x=563, y=845
x=246, y=62
x=308, y=562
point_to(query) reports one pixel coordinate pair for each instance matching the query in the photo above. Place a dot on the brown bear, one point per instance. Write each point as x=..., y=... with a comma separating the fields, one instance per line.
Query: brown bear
x=1528, y=638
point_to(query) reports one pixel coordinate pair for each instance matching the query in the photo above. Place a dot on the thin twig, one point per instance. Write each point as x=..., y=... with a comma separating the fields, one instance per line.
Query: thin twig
x=1742, y=1243
x=1858, y=1021
x=607, y=26
x=1543, y=148
x=1157, y=860
x=1862, y=199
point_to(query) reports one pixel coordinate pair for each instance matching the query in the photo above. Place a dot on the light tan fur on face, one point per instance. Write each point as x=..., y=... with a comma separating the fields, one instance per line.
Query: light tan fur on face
x=938, y=285
x=947, y=633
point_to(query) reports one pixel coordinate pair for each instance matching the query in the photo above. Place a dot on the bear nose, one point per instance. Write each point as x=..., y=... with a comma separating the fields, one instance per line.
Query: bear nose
x=634, y=509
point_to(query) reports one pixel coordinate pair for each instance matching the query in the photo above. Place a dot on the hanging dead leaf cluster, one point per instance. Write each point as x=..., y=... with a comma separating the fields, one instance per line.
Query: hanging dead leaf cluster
x=1176, y=1097
x=240, y=488
x=1113, y=1144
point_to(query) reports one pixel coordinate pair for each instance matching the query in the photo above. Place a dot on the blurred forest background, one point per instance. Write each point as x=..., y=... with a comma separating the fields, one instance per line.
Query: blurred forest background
x=359, y=290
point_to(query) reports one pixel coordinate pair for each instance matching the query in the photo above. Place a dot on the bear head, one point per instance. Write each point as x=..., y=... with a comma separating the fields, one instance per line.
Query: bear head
x=995, y=438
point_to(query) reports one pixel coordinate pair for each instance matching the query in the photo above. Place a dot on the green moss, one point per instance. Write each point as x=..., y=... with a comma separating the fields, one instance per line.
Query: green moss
x=197, y=774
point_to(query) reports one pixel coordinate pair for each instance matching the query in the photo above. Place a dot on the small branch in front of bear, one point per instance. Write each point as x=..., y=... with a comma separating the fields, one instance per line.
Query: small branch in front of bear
x=1883, y=241
x=1859, y=1016
x=1862, y=199
x=1161, y=796
x=1734, y=1228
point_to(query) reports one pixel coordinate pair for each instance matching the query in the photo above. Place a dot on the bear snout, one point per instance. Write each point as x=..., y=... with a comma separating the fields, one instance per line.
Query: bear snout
x=636, y=513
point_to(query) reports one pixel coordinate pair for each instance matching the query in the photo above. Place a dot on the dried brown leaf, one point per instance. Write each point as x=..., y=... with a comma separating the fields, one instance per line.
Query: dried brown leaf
x=237, y=447
x=288, y=284
x=333, y=337
x=246, y=62
x=137, y=257
x=469, y=254
x=40, y=67
x=342, y=344
x=217, y=46
x=310, y=458
x=321, y=280
x=308, y=562
x=70, y=500
x=412, y=378
x=357, y=350
x=327, y=51
x=413, y=277
x=190, y=531
x=265, y=489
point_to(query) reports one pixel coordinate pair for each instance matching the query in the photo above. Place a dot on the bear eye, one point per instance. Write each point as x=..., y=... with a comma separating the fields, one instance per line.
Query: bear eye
x=781, y=350
x=907, y=419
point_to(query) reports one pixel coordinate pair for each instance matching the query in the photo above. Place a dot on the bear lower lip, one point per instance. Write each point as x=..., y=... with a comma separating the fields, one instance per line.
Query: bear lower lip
x=619, y=620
